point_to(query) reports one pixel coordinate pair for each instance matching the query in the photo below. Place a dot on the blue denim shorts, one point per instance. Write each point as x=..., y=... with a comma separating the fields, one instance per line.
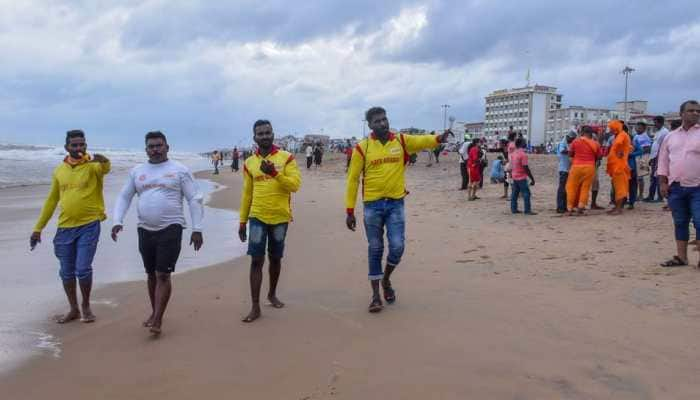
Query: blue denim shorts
x=263, y=235
x=685, y=208
x=75, y=249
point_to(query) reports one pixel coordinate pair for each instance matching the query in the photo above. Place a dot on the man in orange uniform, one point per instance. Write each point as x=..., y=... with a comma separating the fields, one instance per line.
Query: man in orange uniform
x=618, y=166
x=584, y=152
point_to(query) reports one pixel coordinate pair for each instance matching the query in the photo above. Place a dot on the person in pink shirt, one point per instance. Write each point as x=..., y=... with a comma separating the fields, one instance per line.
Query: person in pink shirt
x=679, y=177
x=520, y=172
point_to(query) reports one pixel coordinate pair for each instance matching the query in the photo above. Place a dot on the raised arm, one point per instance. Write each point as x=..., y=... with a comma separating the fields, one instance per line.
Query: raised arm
x=290, y=178
x=416, y=143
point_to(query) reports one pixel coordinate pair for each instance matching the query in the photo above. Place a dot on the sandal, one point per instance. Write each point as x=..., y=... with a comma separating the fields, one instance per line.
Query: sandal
x=376, y=305
x=389, y=294
x=674, y=262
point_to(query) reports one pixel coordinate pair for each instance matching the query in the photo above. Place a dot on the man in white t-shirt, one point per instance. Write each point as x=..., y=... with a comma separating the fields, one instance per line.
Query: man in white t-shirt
x=161, y=185
x=463, y=157
x=309, y=156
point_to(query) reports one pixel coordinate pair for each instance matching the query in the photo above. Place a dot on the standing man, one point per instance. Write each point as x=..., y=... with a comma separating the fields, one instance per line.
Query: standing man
x=521, y=171
x=564, y=166
x=234, y=159
x=309, y=156
x=618, y=165
x=464, y=157
x=642, y=141
x=270, y=177
x=661, y=132
x=161, y=184
x=475, y=170
x=634, y=172
x=679, y=177
x=76, y=186
x=584, y=152
x=381, y=159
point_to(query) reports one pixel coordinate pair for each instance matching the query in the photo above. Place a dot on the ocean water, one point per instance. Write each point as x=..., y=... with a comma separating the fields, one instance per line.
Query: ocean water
x=30, y=290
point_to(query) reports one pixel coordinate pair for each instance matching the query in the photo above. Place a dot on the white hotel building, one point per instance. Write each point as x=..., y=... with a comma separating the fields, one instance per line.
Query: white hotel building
x=525, y=109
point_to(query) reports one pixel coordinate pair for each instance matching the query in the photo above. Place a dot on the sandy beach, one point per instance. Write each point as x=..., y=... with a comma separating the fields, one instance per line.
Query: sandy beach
x=490, y=306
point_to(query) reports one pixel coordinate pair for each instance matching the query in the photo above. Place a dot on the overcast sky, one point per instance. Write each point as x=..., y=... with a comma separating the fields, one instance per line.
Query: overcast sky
x=204, y=71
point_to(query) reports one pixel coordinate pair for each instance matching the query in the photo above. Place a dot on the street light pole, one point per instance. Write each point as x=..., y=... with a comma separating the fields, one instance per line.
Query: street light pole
x=444, y=120
x=627, y=71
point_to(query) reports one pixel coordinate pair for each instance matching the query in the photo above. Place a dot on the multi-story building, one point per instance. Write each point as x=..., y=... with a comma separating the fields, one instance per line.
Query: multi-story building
x=562, y=120
x=525, y=109
x=632, y=108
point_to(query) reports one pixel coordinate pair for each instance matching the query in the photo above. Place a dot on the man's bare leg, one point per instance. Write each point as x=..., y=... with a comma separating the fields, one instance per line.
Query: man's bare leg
x=682, y=250
x=618, y=207
x=389, y=294
x=162, y=296
x=69, y=286
x=152, y=297
x=256, y=277
x=275, y=269
x=85, y=289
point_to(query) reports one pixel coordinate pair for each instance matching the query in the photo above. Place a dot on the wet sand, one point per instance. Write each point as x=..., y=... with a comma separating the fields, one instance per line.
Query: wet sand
x=490, y=306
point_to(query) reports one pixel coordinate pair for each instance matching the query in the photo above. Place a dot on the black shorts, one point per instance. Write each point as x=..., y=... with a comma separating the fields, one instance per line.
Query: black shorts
x=160, y=249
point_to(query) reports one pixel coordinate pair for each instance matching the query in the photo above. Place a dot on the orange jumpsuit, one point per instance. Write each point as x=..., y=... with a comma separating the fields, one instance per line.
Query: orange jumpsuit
x=618, y=167
x=584, y=153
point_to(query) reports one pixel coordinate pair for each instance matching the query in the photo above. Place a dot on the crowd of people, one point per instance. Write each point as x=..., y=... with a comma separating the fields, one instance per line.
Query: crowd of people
x=671, y=161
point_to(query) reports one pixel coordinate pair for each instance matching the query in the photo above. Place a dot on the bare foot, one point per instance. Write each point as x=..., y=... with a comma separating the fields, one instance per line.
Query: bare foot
x=614, y=211
x=253, y=315
x=155, y=327
x=596, y=207
x=88, y=316
x=275, y=302
x=72, y=315
x=148, y=322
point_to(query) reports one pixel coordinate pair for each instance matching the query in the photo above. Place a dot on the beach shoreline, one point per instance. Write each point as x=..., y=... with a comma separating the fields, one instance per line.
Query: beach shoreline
x=24, y=337
x=490, y=305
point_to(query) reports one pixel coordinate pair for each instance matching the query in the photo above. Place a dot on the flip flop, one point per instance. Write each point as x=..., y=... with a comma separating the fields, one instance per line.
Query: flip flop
x=389, y=294
x=376, y=305
x=674, y=262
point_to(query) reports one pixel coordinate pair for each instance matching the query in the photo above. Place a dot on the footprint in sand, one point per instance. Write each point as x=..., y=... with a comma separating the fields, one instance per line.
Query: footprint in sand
x=485, y=257
x=550, y=258
x=463, y=261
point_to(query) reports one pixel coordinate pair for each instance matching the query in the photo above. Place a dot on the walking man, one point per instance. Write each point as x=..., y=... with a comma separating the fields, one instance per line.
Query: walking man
x=76, y=186
x=270, y=177
x=661, y=132
x=564, y=166
x=520, y=172
x=161, y=185
x=679, y=177
x=380, y=160
x=618, y=165
x=309, y=156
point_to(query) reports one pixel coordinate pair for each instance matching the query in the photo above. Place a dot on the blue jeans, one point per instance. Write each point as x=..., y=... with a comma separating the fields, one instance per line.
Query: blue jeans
x=262, y=234
x=561, y=191
x=520, y=186
x=685, y=205
x=380, y=213
x=75, y=249
x=654, y=187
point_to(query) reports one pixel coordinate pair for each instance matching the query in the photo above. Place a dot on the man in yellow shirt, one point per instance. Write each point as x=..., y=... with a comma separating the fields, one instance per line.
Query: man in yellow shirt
x=380, y=160
x=270, y=176
x=76, y=187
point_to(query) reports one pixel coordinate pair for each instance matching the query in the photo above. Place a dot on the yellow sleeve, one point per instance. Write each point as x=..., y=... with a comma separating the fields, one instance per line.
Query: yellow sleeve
x=290, y=178
x=105, y=168
x=416, y=143
x=357, y=163
x=49, y=205
x=246, y=195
